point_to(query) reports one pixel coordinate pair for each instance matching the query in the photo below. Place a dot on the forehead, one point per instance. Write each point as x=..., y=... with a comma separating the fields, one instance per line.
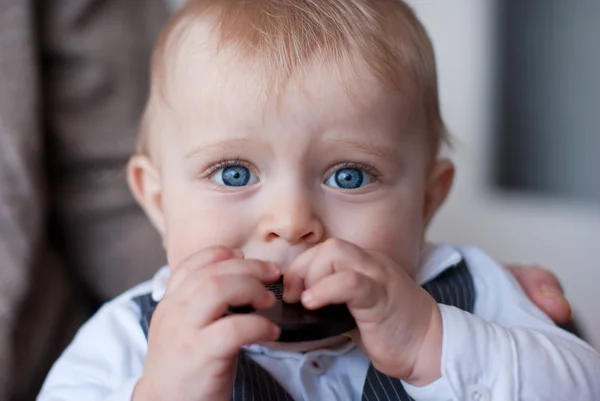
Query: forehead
x=205, y=83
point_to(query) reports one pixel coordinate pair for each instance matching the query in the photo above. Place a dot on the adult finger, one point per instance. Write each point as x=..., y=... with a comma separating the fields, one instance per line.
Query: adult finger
x=544, y=290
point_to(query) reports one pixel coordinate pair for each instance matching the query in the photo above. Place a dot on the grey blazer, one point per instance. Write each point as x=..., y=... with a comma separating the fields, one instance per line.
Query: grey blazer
x=73, y=81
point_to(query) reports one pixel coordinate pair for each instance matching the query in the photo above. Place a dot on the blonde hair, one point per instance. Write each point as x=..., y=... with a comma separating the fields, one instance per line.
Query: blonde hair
x=287, y=36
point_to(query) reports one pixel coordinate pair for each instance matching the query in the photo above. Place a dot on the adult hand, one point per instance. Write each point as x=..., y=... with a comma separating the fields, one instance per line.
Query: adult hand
x=544, y=290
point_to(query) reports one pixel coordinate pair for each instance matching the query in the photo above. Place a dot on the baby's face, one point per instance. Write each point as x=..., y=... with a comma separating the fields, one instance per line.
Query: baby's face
x=275, y=178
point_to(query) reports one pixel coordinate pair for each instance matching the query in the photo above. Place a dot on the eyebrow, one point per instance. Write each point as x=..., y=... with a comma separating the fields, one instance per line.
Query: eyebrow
x=368, y=148
x=221, y=147
x=242, y=143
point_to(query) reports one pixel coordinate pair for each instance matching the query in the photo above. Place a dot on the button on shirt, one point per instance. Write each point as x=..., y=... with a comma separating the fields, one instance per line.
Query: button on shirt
x=328, y=374
x=507, y=350
x=478, y=393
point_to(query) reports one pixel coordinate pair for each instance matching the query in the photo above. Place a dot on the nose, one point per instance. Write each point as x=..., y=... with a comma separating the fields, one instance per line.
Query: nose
x=292, y=218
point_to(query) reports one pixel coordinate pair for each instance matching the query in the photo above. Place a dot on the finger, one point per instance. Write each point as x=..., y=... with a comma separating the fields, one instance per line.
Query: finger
x=218, y=293
x=356, y=338
x=226, y=336
x=347, y=287
x=199, y=260
x=337, y=256
x=535, y=275
x=293, y=276
x=262, y=270
x=265, y=272
x=331, y=256
x=544, y=290
x=555, y=306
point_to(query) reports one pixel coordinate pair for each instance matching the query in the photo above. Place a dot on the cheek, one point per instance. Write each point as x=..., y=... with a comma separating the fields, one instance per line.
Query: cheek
x=195, y=221
x=392, y=226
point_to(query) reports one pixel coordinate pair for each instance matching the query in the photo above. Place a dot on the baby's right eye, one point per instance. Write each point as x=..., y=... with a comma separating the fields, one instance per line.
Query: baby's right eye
x=234, y=176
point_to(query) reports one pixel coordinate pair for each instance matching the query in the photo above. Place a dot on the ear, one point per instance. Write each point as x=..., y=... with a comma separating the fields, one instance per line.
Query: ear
x=144, y=182
x=439, y=183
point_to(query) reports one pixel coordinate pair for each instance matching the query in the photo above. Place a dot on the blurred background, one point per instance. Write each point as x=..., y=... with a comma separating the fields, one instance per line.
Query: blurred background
x=520, y=93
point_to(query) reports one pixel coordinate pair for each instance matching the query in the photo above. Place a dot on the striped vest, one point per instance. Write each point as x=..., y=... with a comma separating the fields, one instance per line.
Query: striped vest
x=453, y=287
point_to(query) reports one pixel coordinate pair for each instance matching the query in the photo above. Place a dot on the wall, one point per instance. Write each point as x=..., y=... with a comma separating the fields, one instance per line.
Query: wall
x=562, y=236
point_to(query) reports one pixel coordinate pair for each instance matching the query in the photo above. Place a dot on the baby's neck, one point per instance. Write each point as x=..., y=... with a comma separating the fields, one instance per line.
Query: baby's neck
x=308, y=345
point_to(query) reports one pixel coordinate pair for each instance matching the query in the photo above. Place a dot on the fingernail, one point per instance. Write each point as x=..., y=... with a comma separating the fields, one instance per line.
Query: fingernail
x=551, y=292
x=276, y=332
x=273, y=267
x=286, y=295
x=238, y=253
x=307, y=298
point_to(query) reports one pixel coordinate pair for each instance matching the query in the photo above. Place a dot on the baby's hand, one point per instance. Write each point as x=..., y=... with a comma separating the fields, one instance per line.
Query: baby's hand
x=399, y=323
x=192, y=348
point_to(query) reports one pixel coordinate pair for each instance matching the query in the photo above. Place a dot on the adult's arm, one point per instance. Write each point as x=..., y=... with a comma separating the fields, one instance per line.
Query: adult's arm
x=21, y=193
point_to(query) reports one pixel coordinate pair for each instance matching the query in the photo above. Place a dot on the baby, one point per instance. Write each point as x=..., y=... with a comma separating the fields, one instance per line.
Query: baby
x=301, y=137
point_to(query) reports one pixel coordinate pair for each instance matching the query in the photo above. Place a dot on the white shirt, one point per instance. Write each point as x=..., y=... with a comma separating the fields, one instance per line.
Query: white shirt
x=507, y=350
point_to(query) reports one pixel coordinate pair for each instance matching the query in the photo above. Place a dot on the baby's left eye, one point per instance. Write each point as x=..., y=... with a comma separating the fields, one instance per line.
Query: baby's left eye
x=349, y=178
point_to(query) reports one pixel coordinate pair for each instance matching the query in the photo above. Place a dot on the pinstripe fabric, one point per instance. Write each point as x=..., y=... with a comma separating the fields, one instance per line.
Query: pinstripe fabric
x=253, y=383
x=453, y=287
x=147, y=306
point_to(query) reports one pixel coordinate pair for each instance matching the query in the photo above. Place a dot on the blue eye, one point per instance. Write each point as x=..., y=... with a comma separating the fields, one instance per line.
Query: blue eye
x=235, y=176
x=349, y=178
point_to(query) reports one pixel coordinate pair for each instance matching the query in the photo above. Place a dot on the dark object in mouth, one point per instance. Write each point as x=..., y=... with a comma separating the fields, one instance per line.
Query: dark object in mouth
x=299, y=324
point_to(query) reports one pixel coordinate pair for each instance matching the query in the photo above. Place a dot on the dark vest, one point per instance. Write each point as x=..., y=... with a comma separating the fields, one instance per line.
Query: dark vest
x=453, y=287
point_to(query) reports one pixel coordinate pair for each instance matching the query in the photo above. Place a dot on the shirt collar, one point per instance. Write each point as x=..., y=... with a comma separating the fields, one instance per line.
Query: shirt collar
x=281, y=354
x=435, y=258
x=159, y=283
